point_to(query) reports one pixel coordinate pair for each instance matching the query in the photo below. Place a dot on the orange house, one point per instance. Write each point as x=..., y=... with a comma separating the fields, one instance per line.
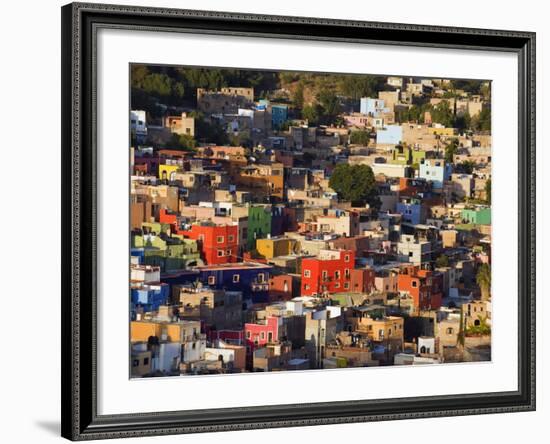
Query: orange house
x=423, y=286
x=219, y=244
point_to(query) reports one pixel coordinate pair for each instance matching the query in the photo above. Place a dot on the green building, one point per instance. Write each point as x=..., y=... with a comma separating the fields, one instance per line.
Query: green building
x=155, y=227
x=259, y=224
x=477, y=216
x=169, y=253
x=402, y=155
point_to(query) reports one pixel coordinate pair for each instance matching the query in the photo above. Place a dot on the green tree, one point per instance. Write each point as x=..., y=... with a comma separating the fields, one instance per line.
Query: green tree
x=356, y=87
x=482, y=329
x=450, y=150
x=298, y=97
x=482, y=121
x=311, y=114
x=442, y=261
x=355, y=183
x=463, y=122
x=360, y=137
x=466, y=167
x=209, y=131
x=183, y=142
x=442, y=114
x=483, y=279
x=329, y=105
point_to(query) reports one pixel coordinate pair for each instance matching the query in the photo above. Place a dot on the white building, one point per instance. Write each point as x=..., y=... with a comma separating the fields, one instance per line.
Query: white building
x=138, y=125
x=415, y=252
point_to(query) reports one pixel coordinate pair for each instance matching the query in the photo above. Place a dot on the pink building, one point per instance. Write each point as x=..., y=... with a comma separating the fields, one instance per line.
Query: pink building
x=259, y=335
x=356, y=119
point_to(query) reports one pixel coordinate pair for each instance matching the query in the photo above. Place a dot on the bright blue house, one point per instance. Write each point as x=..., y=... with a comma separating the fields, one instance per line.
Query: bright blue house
x=150, y=296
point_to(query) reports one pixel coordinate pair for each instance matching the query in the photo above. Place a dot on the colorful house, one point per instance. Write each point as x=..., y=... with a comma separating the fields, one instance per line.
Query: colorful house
x=425, y=287
x=329, y=272
x=276, y=246
x=478, y=216
x=259, y=224
x=169, y=253
x=436, y=171
x=279, y=115
x=150, y=296
x=219, y=244
x=249, y=277
x=167, y=172
x=411, y=209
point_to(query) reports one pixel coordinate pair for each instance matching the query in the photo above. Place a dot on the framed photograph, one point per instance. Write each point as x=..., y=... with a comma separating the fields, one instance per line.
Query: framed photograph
x=281, y=221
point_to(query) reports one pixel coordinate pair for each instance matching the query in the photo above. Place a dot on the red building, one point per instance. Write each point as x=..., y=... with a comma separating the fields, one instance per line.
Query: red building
x=166, y=217
x=219, y=244
x=362, y=280
x=234, y=337
x=329, y=272
x=423, y=286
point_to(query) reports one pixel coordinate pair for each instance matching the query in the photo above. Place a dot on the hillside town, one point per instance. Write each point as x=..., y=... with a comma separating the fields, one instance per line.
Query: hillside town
x=298, y=221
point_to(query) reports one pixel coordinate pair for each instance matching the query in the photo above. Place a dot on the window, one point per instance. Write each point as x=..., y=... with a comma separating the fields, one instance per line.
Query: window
x=228, y=252
x=135, y=363
x=248, y=335
x=306, y=287
x=236, y=278
x=220, y=253
x=346, y=285
x=450, y=331
x=307, y=273
x=410, y=254
x=337, y=285
x=337, y=274
x=211, y=280
x=414, y=284
x=230, y=238
x=270, y=336
x=346, y=258
x=145, y=361
x=219, y=239
x=325, y=274
x=261, y=278
x=347, y=273
x=262, y=335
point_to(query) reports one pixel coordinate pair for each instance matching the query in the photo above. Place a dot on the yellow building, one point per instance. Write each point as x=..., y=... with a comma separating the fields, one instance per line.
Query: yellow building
x=140, y=331
x=389, y=328
x=167, y=172
x=449, y=238
x=442, y=131
x=270, y=248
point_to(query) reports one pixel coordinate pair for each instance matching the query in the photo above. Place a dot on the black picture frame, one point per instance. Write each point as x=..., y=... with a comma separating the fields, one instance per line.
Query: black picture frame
x=80, y=22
